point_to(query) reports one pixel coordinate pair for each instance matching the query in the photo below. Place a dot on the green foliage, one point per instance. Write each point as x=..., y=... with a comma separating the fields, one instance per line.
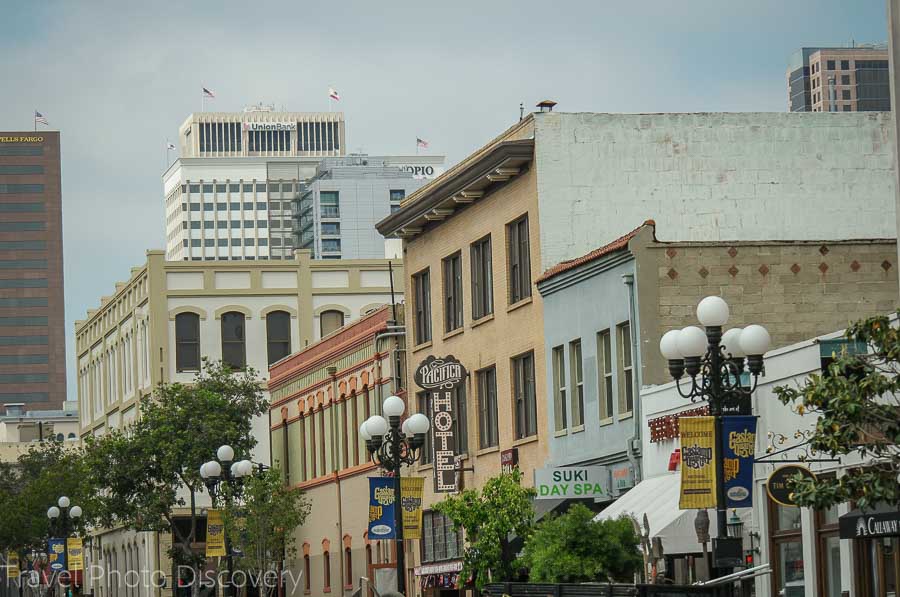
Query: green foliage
x=574, y=548
x=502, y=508
x=858, y=412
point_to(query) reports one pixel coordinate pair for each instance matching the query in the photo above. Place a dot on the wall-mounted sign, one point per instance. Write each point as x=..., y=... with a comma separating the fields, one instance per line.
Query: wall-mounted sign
x=622, y=477
x=883, y=521
x=270, y=126
x=777, y=485
x=440, y=377
x=421, y=170
x=698, y=462
x=382, y=521
x=571, y=482
x=509, y=460
x=738, y=449
x=21, y=139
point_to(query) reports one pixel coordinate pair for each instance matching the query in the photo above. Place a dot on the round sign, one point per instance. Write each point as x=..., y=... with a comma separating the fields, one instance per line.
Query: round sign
x=777, y=485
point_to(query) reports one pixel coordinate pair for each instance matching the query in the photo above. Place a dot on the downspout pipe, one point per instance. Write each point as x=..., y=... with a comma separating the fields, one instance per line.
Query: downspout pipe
x=635, y=439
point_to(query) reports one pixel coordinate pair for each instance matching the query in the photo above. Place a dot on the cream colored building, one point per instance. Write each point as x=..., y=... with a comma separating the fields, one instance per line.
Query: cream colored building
x=158, y=325
x=20, y=429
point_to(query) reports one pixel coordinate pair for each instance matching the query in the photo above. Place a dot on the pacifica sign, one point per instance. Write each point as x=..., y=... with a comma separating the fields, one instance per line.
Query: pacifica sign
x=440, y=377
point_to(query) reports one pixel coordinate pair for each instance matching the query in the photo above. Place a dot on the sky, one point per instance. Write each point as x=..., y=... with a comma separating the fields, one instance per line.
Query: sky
x=118, y=78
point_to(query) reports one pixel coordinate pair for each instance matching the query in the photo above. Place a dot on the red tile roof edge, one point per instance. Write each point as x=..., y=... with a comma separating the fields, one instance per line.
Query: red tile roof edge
x=616, y=245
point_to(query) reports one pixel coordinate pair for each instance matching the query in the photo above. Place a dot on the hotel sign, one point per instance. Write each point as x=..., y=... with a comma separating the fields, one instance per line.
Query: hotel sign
x=440, y=377
x=270, y=126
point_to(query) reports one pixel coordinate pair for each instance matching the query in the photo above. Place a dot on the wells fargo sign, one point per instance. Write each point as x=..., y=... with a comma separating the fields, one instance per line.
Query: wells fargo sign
x=21, y=139
x=441, y=377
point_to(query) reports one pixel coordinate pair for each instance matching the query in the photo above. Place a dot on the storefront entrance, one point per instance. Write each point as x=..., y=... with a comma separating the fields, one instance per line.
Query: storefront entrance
x=876, y=544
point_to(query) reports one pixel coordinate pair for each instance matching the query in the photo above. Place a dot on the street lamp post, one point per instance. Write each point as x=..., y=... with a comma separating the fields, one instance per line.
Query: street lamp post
x=391, y=445
x=224, y=478
x=715, y=361
x=62, y=522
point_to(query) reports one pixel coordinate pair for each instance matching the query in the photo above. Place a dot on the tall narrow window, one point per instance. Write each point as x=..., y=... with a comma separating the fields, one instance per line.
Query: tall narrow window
x=559, y=388
x=605, y=374
x=460, y=419
x=519, y=253
x=348, y=568
x=330, y=321
x=626, y=389
x=234, y=349
x=326, y=563
x=453, y=306
x=577, y=383
x=482, y=278
x=488, y=435
x=307, y=580
x=422, y=297
x=278, y=335
x=424, y=408
x=524, y=395
x=330, y=204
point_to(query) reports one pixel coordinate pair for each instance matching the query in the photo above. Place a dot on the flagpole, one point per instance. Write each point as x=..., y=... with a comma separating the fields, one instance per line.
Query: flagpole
x=35, y=121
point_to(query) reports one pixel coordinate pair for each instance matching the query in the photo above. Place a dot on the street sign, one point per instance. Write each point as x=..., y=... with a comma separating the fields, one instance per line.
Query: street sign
x=580, y=482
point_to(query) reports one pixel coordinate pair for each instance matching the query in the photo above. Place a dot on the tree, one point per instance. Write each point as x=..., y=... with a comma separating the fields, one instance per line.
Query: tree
x=575, y=548
x=146, y=470
x=261, y=522
x=502, y=508
x=858, y=407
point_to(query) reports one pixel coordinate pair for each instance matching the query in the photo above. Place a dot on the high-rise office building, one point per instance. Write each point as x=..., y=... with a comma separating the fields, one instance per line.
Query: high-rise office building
x=852, y=79
x=231, y=194
x=32, y=315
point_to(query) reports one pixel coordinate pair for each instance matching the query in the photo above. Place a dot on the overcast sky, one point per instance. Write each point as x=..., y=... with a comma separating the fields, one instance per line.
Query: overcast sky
x=118, y=78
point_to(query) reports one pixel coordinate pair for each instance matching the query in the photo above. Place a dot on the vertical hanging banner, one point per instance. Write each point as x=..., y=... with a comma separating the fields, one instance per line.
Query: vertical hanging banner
x=215, y=533
x=412, y=490
x=440, y=377
x=698, y=457
x=12, y=565
x=738, y=450
x=382, y=519
x=56, y=554
x=76, y=553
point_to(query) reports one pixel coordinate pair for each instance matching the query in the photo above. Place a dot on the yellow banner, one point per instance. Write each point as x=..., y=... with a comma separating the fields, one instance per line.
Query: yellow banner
x=411, y=490
x=215, y=533
x=76, y=553
x=12, y=565
x=698, y=462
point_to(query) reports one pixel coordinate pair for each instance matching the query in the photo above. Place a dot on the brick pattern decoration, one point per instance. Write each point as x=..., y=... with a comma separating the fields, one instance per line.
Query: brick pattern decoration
x=797, y=290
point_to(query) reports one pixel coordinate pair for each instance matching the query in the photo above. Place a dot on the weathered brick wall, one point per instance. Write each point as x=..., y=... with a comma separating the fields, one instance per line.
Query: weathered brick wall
x=796, y=290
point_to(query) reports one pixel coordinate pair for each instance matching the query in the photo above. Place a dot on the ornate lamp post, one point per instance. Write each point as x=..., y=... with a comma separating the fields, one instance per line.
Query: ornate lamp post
x=224, y=478
x=715, y=361
x=62, y=522
x=391, y=445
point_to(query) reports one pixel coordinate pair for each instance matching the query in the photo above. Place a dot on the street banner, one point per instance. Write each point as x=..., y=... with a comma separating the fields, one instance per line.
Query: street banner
x=381, y=508
x=698, y=457
x=56, y=554
x=441, y=377
x=215, y=533
x=738, y=450
x=412, y=490
x=12, y=565
x=76, y=553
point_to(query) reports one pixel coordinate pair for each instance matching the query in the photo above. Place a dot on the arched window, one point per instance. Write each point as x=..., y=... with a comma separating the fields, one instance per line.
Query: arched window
x=330, y=321
x=71, y=436
x=187, y=342
x=326, y=562
x=278, y=335
x=307, y=578
x=59, y=437
x=348, y=567
x=234, y=349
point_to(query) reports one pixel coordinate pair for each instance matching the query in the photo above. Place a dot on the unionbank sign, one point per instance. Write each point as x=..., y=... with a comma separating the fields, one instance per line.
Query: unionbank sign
x=440, y=377
x=270, y=126
x=571, y=482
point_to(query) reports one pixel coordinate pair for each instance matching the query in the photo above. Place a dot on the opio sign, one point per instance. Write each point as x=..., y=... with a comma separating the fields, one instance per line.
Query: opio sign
x=441, y=376
x=421, y=170
x=571, y=482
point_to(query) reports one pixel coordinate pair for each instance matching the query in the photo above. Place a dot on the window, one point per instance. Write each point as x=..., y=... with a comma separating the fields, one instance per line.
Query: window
x=195, y=225
x=28, y=169
x=845, y=65
x=187, y=342
x=330, y=204
x=262, y=223
x=207, y=188
x=786, y=548
x=460, y=420
x=331, y=245
x=348, y=568
x=260, y=187
x=22, y=226
x=439, y=541
x=307, y=582
x=21, y=188
x=453, y=308
x=330, y=321
x=397, y=195
x=519, y=260
x=845, y=79
x=626, y=388
x=828, y=552
x=234, y=352
x=577, y=377
x=829, y=65
x=488, y=435
x=423, y=407
x=278, y=335
x=524, y=395
x=847, y=108
x=422, y=294
x=559, y=388
x=331, y=228
x=605, y=369
x=482, y=278
x=845, y=94
x=223, y=242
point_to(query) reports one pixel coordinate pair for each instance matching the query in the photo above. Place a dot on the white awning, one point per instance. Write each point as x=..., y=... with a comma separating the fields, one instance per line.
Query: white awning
x=658, y=498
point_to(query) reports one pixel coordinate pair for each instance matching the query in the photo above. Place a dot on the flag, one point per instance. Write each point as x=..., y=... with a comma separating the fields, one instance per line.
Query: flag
x=333, y=94
x=39, y=118
x=170, y=146
x=208, y=93
x=421, y=143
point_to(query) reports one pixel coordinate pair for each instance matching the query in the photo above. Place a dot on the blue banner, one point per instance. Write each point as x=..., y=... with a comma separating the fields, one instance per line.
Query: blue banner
x=382, y=520
x=56, y=554
x=738, y=449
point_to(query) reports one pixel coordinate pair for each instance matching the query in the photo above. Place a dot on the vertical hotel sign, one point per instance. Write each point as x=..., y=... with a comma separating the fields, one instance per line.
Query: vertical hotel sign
x=440, y=378
x=698, y=458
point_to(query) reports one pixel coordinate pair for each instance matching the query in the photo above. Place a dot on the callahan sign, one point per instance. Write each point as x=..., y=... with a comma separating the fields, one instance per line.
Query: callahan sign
x=441, y=377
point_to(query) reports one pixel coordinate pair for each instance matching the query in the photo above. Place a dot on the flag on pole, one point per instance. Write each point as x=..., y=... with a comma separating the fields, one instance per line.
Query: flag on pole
x=39, y=118
x=421, y=143
x=170, y=146
x=208, y=93
x=333, y=94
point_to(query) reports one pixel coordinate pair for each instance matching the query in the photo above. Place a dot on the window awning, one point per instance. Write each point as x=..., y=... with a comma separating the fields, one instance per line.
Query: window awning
x=881, y=521
x=657, y=497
